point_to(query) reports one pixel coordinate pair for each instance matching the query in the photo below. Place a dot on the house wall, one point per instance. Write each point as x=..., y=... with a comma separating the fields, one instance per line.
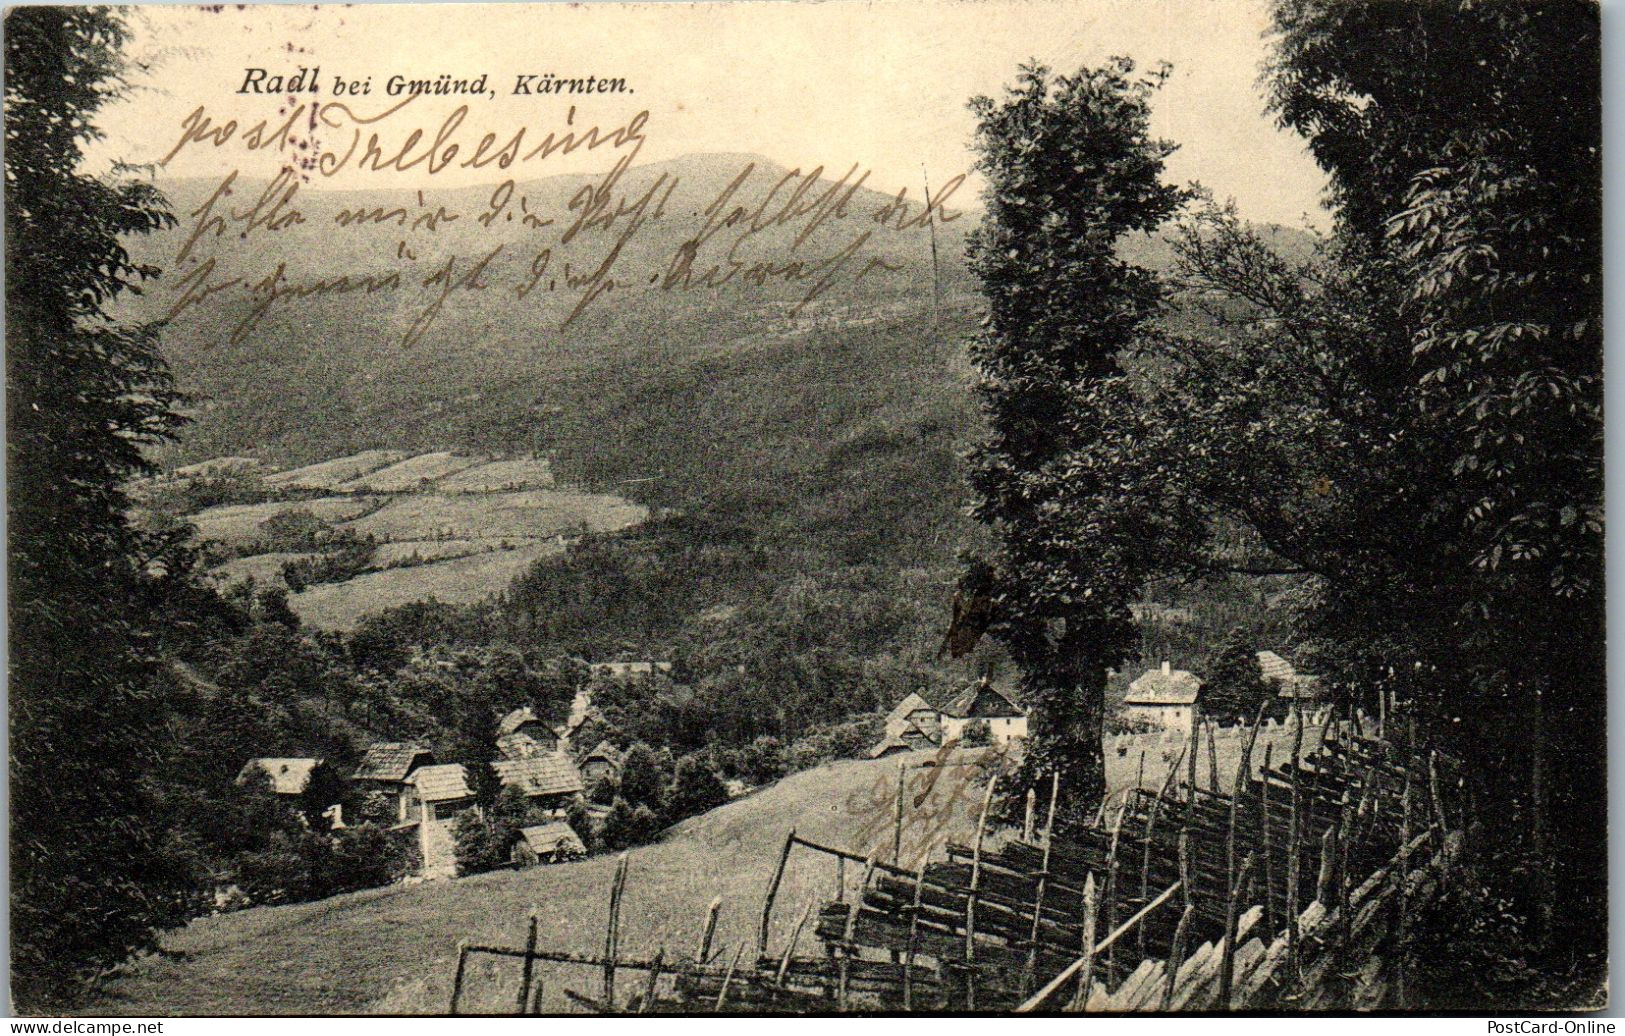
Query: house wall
x=1169, y=717
x=1002, y=729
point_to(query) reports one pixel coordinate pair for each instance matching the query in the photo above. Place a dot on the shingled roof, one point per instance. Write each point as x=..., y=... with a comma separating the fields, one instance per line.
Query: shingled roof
x=391, y=761
x=982, y=700
x=289, y=776
x=447, y=782
x=1165, y=686
x=516, y=719
x=552, y=837
x=549, y=774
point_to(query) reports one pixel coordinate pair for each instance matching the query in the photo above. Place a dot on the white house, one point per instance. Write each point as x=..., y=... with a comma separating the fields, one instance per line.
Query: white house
x=1166, y=697
x=983, y=703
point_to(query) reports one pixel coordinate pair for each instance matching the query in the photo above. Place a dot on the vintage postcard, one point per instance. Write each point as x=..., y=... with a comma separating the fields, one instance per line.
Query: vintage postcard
x=896, y=507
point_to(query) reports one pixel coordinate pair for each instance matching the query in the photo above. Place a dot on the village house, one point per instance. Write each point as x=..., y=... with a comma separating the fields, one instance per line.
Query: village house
x=552, y=842
x=910, y=738
x=1288, y=681
x=980, y=703
x=915, y=713
x=436, y=796
x=522, y=733
x=603, y=761
x=550, y=780
x=289, y=776
x=1165, y=697
x=387, y=767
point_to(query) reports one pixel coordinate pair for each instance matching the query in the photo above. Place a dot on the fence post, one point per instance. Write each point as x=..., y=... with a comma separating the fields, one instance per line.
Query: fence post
x=457, y=976
x=1043, y=883
x=612, y=931
x=772, y=893
x=1085, y=976
x=1227, y=965
x=970, y=900
x=710, y=932
x=529, y=965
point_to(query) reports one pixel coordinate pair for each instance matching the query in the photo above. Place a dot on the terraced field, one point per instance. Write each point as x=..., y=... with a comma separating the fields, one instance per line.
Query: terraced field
x=451, y=527
x=465, y=580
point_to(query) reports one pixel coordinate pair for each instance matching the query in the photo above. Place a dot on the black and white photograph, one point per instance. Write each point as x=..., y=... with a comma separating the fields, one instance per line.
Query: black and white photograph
x=849, y=508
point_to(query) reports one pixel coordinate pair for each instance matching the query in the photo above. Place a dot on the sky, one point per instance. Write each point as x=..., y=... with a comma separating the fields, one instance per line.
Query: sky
x=882, y=84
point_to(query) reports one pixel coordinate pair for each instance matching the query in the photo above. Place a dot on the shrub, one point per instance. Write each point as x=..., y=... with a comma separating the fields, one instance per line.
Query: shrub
x=483, y=842
x=694, y=789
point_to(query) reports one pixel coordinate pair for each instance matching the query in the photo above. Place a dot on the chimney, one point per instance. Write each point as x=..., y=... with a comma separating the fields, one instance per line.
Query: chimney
x=1167, y=668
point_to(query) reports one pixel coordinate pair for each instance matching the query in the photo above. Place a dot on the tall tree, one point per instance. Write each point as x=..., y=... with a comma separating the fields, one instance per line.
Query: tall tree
x=89, y=882
x=1071, y=169
x=1468, y=191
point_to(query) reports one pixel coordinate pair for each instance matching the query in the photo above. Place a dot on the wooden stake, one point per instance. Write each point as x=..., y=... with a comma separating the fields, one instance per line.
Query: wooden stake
x=1328, y=855
x=612, y=930
x=897, y=823
x=795, y=937
x=840, y=879
x=1043, y=883
x=528, y=967
x=457, y=976
x=728, y=976
x=1027, y=819
x=1176, y=953
x=710, y=932
x=772, y=893
x=1267, y=838
x=851, y=926
x=1227, y=964
x=913, y=935
x=970, y=900
x=654, y=977
x=1111, y=876
x=1213, y=758
x=1086, y=975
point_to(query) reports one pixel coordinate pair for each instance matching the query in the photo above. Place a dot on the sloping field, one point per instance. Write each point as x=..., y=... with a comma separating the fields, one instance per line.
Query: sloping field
x=400, y=551
x=264, y=569
x=217, y=466
x=240, y=523
x=524, y=515
x=392, y=950
x=499, y=476
x=465, y=580
x=412, y=473
x=330, y=473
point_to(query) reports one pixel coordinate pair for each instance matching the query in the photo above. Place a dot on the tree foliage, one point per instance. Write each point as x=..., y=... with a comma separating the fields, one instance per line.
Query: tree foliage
x=90, y=879
x=1071, y=170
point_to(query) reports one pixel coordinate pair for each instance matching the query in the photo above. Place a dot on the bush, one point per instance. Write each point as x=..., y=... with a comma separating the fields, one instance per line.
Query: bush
x=976, y=734
x=645, y=774
x=849, y=740
x=626, y=826
x=483, y=842
x=695, y=789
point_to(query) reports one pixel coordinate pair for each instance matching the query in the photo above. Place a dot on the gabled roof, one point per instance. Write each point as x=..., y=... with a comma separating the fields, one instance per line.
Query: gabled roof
x=886, y=746
x=391, y=761
x=1164, y=687
x=554, y=836
x=607, y=752
x=1275, y=668
x=516, y=719
x=550, y=774
x=519, y=745
x=982, y=700
x=912, y=703
x=289, y=775
x=447, y=782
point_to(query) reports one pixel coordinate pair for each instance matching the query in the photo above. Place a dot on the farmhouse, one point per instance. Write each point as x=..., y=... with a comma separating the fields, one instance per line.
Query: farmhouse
x=289, y=776
x=523, y=725
x=603, y=761
x=911, y=738
x=552, y=842
x=386, y=768
x=1166, y=697
x=551, y=779
x=439, y=793
x=1284, y=675
x=915, y=713
x=980, y=703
